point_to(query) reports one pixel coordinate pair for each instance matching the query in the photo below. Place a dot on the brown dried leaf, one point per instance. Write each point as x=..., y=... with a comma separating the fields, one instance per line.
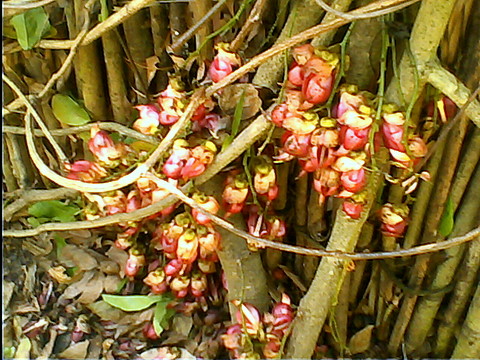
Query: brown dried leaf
x=111, y=283
x=105, y=311
x=80, y=257
x=93, y=289
x=78, y=287
x=76, y=351
x=119, y=256
x=360, y=341
x=8, y=287
x=231, y=96
x=152, y=68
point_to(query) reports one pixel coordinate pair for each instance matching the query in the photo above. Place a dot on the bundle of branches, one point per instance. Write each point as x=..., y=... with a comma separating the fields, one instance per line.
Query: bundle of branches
x=249, y=179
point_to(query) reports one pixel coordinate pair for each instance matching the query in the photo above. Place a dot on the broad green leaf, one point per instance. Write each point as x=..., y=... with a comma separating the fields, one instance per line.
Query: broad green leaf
x=54, y=209
x=30, y=26
x=160, y=311
x=68, y=111
x=132, y=302
x=237, y=117
x=447, y=221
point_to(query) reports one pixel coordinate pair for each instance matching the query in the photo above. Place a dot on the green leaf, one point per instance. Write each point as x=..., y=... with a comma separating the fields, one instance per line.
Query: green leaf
x=68, y=111
x=160, y=311
x=54, y=209
x=237, y=117
x=132, y=302
x=447, y=221
x=30, y=26
x=60, y=244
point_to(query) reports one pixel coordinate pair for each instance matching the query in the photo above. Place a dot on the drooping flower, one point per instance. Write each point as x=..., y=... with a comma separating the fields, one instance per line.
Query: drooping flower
x=149, y=119
x=223, y=63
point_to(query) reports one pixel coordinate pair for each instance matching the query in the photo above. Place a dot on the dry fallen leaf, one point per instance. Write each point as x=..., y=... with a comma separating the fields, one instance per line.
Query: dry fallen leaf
x=231, y=96
x=80, y=257
x=76, y=351
x=360, y=341
x=93, y=289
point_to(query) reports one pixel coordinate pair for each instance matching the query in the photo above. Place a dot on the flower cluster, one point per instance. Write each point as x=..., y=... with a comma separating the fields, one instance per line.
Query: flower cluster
x=190, y=244
x=405, y=149
x=238, y=197
x=335, y=150
x=187, y=162
x=168, y=109
x=252, y=332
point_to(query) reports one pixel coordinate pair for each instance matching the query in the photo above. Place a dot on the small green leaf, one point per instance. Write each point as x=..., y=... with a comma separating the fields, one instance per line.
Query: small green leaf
x=34, y=222
x=447, y=221
x=54, y=209
x=121, y=285
x=160, y=311
x=237, y=117
x=132, y=302
x=30, y=26
x=60, y=244
x=68, y=111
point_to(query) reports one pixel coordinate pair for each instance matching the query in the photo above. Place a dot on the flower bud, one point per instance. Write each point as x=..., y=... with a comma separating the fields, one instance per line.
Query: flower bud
x=149, y=119
x=352, y=209
x=187, y=246
x=134, y=264
x=249, y=316
x=198, y=284
x=354, y=180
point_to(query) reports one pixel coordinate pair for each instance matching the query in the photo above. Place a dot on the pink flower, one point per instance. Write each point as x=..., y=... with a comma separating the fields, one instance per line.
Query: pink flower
x=167, y=119
x=317, y=88
x=352, y=139
x=149, y=119
x=173, y=267
x=348, y=102
x=198, y=284
x=192, y=168
x=392, y=136
x=296, y=145
x=279, y=114
x=295, y=75
x=352, y=209
x=354, y=180
x=134, y=263
x=104, y=149
x=85, y=170
x=249, y=316
x=222, y=64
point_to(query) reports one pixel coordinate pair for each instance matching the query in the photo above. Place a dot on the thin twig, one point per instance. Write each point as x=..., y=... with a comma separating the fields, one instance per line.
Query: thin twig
x=61, y=155
x=301, y=37
x=109, y=126
x=111, y=22
x=177, y=45
x=73, y=51
x=253, y=18
x=125, y=180
x=179, y=194
x=351, y=17
x=25, y=4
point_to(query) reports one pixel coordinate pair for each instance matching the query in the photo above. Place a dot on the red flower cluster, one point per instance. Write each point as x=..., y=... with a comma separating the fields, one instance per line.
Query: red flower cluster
x=266, y=333
x=191, y=247
x=333, y=149
x=185, y=162
x=237, y=198
x=167, y=111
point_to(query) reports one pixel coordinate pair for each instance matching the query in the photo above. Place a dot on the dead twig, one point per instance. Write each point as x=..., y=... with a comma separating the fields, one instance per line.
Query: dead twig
x=253, y=18
x=109, y=126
